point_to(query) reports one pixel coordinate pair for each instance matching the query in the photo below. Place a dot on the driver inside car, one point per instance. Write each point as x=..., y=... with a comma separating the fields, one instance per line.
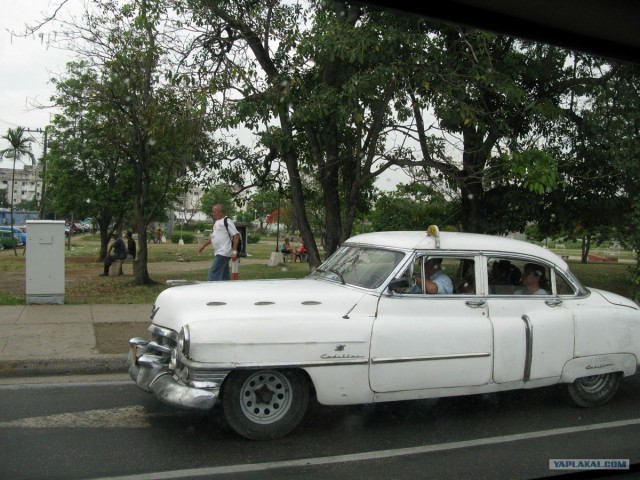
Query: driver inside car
x=436, y=281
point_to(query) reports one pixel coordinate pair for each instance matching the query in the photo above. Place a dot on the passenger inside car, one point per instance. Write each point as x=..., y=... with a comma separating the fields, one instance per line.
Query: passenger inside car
x=504, y=277
x=534, y=281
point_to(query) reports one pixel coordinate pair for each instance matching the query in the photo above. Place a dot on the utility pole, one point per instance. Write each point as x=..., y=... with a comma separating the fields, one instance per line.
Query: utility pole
x=44, y=170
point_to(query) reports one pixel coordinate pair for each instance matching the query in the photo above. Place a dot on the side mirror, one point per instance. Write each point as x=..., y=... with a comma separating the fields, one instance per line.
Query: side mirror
x=398, y=284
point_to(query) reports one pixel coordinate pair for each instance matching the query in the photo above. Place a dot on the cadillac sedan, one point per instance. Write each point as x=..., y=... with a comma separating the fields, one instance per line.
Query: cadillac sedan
x=389, y=316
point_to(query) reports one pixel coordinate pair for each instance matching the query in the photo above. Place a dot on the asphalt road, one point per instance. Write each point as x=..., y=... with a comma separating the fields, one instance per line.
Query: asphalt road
x=107, y=428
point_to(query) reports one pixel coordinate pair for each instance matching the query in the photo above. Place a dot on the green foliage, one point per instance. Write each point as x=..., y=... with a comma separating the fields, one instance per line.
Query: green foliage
x=28, y=205
x=218, y=194
x=535, y=170
x=196, y=226
x=19, y=147
x=187, y=237
x=253, y=238
x=413, y=207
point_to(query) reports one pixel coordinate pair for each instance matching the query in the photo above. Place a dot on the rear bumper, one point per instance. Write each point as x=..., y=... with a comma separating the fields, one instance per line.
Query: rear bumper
x=152, y=374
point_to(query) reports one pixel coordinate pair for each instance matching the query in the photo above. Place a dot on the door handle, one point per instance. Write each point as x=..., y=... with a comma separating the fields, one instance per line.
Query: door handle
x=554, y=302
x=476, y=303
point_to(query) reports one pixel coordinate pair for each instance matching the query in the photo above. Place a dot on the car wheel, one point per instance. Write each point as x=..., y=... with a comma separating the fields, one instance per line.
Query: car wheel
x=594, y=390
x=265, y=404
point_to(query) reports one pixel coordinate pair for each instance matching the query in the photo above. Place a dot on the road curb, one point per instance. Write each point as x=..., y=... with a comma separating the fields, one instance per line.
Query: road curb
x=34, y=367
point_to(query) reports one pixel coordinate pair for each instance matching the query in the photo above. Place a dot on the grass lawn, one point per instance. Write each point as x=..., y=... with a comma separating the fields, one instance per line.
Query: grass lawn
x=81, y=262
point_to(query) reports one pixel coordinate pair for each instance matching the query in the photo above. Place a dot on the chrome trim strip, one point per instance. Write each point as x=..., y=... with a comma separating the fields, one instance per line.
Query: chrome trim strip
x=163, y=332
x=138, y=342
x=528, y=335
x=253, y=365
x=455, y=356
x=325, y=363
x=158, y=347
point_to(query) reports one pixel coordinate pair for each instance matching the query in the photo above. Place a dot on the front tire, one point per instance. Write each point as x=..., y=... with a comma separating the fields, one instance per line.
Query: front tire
x=265, y=404
x=594, y=390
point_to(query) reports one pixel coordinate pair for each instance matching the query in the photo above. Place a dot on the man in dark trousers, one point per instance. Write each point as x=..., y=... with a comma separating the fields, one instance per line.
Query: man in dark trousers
x=119, y=253
x=131, y=245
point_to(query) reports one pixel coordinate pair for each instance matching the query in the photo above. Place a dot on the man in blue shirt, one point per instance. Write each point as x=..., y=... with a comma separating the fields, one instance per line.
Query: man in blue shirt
x=436, y=281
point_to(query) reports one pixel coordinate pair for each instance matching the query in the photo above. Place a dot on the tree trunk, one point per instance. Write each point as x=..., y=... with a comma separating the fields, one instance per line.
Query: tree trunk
x=586, y=247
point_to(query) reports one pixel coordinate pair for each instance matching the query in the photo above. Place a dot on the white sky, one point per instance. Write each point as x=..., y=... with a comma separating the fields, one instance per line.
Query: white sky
x=29, y=63
x=27, y=66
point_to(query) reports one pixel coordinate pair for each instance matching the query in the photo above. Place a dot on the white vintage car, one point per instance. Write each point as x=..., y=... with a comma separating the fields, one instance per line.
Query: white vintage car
x=362, y=329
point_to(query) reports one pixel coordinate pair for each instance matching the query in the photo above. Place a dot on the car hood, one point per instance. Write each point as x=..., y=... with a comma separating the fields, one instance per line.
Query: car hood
x=614, y=298
x=264, y=300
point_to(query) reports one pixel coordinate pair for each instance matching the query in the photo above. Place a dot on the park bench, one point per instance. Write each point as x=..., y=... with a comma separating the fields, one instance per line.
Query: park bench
x=132, y=261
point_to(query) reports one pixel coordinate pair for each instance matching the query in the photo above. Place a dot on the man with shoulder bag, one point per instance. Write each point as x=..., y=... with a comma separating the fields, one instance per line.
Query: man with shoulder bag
x=225, y=239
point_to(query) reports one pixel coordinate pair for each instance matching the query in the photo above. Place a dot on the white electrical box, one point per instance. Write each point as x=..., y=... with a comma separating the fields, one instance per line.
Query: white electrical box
x=45, y=261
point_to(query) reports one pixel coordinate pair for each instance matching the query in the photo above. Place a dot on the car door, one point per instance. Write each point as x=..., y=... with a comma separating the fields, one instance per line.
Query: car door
x=422, y=341
x=533, y=335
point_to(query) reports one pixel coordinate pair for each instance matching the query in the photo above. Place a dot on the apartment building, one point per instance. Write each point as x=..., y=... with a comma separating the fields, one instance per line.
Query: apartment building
x=27, y=183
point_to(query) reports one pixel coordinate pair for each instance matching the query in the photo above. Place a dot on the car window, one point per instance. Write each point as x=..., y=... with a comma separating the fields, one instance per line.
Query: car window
x=460, y=273
x=516, y=276
x=563, y=286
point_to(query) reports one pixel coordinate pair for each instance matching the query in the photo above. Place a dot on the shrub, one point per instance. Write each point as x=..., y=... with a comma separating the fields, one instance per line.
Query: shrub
x=253, y=238
x=197, y=226
x=187, y=237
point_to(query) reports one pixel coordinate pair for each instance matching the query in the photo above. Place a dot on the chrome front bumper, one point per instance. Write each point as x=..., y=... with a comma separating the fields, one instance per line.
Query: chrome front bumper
x=152, y=374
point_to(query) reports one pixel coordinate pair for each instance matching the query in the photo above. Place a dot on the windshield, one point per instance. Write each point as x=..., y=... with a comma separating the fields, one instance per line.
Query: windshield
x=360, y=266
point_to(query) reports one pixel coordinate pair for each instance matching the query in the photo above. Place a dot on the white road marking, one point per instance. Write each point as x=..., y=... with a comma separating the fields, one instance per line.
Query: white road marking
x=358, y=457
x=124, y=417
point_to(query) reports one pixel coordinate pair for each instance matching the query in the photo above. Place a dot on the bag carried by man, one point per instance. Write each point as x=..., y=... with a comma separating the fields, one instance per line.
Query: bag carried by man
x=241, y=252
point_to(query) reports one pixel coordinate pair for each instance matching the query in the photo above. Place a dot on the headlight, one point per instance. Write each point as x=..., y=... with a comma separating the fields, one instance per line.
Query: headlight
x=184, y=341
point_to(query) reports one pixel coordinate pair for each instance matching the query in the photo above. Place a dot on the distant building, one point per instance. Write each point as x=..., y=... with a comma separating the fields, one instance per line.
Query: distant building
x=27, y=184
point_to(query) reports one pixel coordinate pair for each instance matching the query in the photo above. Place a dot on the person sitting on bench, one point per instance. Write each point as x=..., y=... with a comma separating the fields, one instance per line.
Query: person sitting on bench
x=119, y=253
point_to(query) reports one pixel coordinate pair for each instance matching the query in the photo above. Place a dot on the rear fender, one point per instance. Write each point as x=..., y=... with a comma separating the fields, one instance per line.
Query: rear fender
x=597, y=365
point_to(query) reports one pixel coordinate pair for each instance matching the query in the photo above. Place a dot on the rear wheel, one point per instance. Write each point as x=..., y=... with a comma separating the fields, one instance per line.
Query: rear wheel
x=594, y=390
x=265, y=404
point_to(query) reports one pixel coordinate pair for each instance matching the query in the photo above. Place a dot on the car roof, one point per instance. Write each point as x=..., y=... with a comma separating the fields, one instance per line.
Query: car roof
x=456, y=241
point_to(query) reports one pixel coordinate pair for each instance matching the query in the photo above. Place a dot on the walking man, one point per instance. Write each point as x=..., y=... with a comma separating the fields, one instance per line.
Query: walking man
x=224, y=239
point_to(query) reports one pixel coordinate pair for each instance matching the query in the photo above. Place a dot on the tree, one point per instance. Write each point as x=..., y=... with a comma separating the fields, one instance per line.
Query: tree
x=153, y=128
x=218, y=194
x=317, y=87
x=414, y=207
x=87, y=176
x=28, y=205
x=264, y=201
x=19, y=146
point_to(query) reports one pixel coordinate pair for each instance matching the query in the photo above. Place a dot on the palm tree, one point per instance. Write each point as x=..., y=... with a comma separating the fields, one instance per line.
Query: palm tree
x=19, y=147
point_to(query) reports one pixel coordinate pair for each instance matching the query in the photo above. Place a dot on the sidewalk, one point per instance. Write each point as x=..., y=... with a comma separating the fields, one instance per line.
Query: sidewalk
x=68, y=339
x=38, y=340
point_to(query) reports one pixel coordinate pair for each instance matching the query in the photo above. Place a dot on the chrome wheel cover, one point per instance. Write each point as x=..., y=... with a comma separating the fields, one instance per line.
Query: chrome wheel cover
x=265, y=397
x=594, y=383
